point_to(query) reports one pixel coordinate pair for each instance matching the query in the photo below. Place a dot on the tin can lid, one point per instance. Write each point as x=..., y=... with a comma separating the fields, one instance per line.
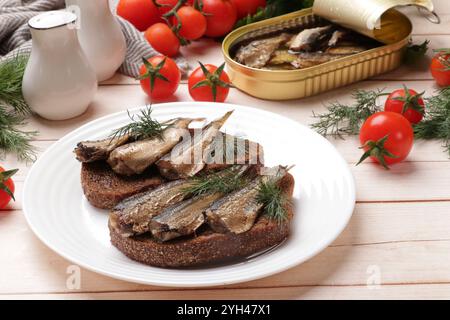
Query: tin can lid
x=374, y=18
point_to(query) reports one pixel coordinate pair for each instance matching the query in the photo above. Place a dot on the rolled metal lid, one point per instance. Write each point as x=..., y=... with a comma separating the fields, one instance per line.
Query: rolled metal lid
x=374, y=18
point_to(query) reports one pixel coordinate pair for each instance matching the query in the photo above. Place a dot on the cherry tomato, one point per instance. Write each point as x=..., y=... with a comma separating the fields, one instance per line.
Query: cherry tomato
x=165, y=75
x=387, y=138
x=141, y=13
x=407, y=102
x=246, y=7
x=221, y=16
x=163, y=39
x=193, y=23
x=166, y=5
x=7, y=187
x=440, y=68
x=209, y=83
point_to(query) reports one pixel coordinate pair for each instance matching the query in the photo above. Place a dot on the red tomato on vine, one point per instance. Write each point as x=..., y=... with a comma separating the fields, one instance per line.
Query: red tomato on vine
x=141, y=13
x=7, y=187
x=387, y=138
x=160, y=77
x=193, y=23
x=407, y=102
x=209, y=83
x=440, y=67
x=221, y=16
x=163, y=39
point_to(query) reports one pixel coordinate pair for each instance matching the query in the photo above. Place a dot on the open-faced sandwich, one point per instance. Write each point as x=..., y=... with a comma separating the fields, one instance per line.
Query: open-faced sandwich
x=182, y=197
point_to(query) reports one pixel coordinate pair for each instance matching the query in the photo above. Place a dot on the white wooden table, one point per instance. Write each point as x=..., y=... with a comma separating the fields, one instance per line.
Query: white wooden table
x=397, y=244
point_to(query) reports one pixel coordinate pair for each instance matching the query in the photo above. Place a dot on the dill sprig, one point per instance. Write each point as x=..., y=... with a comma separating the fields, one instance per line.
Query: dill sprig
x=142, y=126
x=436, y=124
x=343, y=119
x=14, y=140
x=13, y=110
x=11, y=74
x=225, y=181
x=270, y=195
x=274, y=200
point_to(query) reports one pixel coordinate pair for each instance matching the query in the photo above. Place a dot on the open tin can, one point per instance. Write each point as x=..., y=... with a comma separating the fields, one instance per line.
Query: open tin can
x=376, y=19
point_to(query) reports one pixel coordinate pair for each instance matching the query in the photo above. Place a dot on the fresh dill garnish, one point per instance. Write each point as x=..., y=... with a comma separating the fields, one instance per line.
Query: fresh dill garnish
x=11, y=74
x=225, y=181
x=270, y=195
x=14, y=140
x=143, y=126
x=436, y=124
x=13, y=110
x=343, y=119
x=274, y=200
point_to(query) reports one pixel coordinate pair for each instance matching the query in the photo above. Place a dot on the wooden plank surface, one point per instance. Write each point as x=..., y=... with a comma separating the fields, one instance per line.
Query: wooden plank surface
x=410, y=291
x=399, y=234
x=111, y=99
x=408, y=242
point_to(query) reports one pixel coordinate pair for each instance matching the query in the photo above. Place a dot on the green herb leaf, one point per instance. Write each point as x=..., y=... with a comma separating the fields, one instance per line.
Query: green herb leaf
x=347, y=119
x=225, y=181
x=11, y=75
x=13, y=110
x=143, y=126
x=436, y=124
x=13, y=140
x=274, y=200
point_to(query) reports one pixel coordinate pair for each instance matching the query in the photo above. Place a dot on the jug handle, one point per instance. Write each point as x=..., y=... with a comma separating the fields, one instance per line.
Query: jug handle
x=431, y=16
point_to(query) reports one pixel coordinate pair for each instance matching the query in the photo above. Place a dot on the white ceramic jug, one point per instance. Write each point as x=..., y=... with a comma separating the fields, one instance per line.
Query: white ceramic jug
x=100, y=35
x=59, y=82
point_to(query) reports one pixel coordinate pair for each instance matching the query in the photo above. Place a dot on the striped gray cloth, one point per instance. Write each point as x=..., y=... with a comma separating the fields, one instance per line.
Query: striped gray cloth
x=15, y=36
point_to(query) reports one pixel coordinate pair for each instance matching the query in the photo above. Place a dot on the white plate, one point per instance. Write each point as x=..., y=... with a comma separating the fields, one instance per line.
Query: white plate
x=61, y=217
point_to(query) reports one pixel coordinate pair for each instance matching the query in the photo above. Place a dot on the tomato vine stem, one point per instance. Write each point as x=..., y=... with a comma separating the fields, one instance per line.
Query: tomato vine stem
x=377, y=150
x=153, y=73
x=212, y=80
x=411, y=101
x=173, y=13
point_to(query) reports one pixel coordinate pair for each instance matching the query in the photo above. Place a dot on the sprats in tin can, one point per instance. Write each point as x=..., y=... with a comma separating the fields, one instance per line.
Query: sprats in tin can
x=392, y=35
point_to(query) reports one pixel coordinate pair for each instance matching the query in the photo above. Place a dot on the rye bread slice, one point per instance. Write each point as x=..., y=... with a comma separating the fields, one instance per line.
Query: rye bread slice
x=104, y=189
x=207, y=247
